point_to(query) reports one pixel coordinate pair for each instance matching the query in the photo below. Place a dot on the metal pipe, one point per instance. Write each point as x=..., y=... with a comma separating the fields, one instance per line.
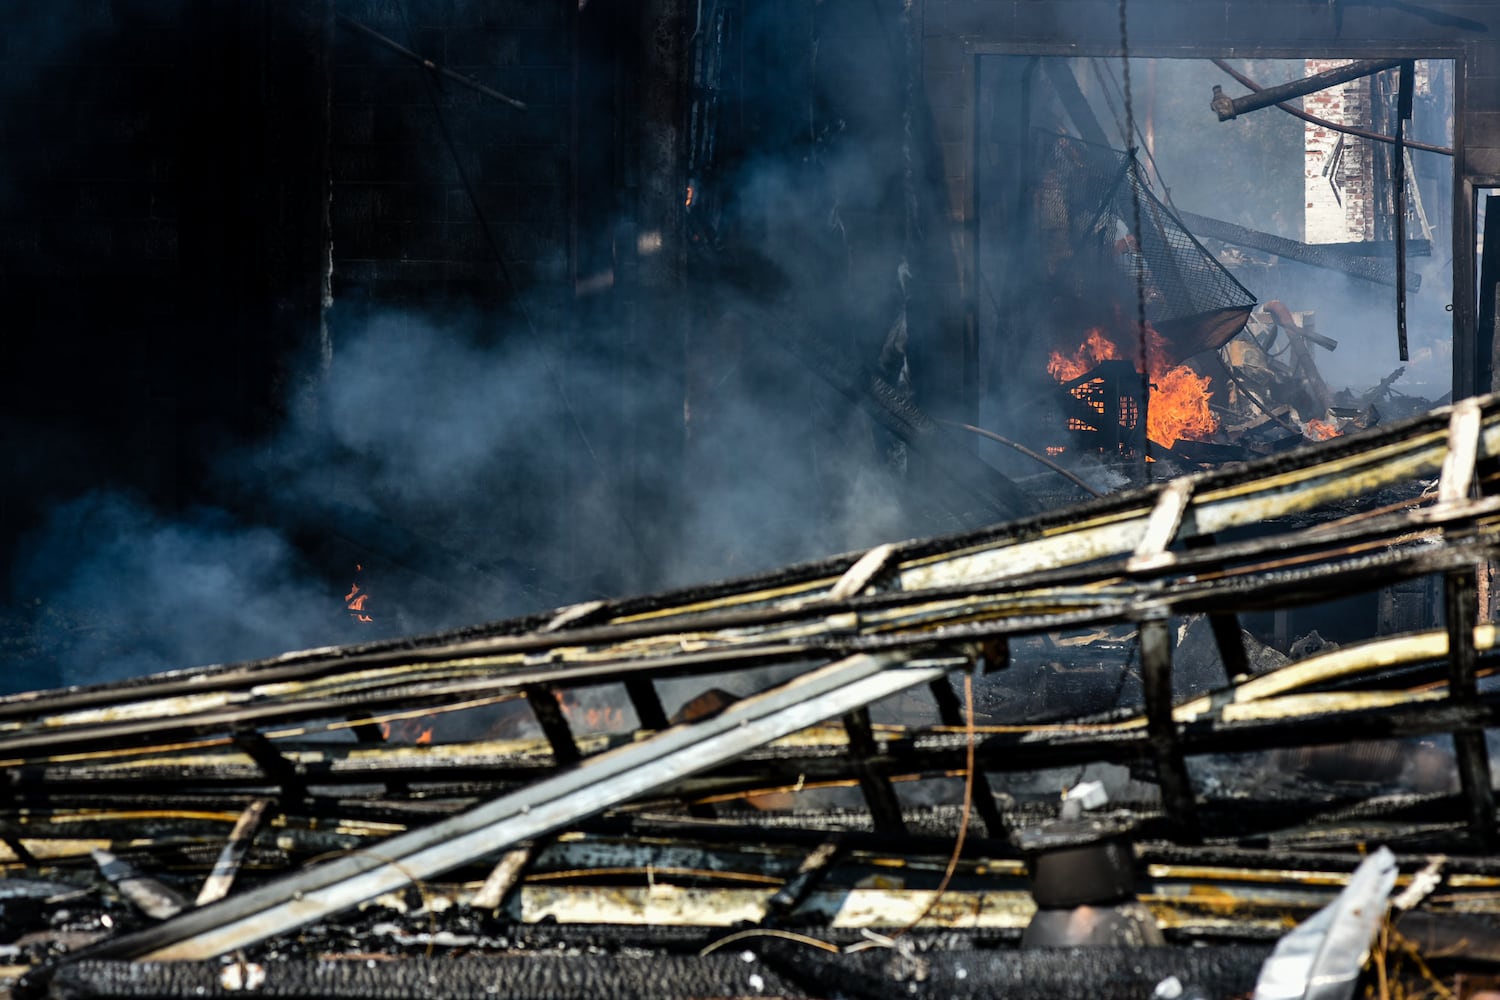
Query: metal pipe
x=1406, y=83
x=1324, y=122
x=426, y=63
x=1299, y=88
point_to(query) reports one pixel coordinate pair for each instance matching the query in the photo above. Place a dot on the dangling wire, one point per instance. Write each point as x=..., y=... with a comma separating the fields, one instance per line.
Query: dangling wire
x=1135, y=210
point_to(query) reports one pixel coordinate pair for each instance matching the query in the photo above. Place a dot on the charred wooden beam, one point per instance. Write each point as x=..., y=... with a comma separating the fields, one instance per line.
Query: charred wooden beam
x=544, y=705
x=1404, y=87
x=1388, y=455
x=1367, y=268
x=952, y=712
x=878, y=793
x=1296, y=112
x=1065, y=84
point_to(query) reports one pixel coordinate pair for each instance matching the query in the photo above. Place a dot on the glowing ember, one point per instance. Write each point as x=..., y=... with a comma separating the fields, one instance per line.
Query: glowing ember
x=408, y=732
x=598, y=719
x=1319, y=430
x=1178, y=409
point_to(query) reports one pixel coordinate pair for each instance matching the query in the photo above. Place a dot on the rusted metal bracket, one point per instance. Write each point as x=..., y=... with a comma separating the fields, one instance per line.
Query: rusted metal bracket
x=1171, y=768
x=1461, y=608
x=885, y=807
x=554, y=725
x=811, y=872
x=288, y=776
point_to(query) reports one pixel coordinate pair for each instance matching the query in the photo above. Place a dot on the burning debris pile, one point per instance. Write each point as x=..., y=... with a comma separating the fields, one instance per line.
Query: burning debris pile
x=826, y=812
x=1158, y=353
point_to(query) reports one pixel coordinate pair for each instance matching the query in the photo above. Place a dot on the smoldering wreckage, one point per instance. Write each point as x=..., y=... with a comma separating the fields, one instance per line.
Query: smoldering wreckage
x=1043, y=757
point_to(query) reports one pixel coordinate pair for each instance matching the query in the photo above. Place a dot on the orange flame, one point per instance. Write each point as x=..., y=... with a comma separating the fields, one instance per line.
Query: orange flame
x=1178, y=409
x=414, y=732
x=604, y=719
x=1094, y=349
x=1320, y=430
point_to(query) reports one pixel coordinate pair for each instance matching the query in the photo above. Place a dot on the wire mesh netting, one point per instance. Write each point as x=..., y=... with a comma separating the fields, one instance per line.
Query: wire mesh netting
x=1086, y=199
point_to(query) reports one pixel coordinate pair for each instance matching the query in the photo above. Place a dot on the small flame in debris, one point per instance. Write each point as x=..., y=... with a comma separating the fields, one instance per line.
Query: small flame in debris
x=1320, y=430
x=355, y=600
x=594, y=719
x=688, y=201
x=1178, y=409
x=408, y=732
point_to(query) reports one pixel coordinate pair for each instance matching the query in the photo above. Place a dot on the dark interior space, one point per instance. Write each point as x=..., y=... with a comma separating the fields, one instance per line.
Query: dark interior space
x=291, y=309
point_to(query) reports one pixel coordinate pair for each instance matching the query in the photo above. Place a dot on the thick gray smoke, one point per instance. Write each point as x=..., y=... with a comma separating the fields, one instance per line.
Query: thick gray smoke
x=125, y=591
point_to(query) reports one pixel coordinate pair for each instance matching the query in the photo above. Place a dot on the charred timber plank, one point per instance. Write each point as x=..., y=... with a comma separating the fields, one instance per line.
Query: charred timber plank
x=586, y=789
x=1161, y=730
x=285, y=773
x=586, y=975
x=647, y=703
x=227, y=866
x=1406, y=83
x=807, y=877
x=988, y=568
x=1038, y=974
x=1276, y=571
x=881, y=798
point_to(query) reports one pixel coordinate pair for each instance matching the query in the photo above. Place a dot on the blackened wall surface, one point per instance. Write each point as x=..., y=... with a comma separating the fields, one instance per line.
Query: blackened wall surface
x=957, y=32
x=405, y=228
x=160, y=227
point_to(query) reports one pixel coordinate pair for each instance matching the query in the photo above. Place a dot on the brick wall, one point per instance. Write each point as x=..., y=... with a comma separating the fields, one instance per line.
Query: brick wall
x=1340, y=206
